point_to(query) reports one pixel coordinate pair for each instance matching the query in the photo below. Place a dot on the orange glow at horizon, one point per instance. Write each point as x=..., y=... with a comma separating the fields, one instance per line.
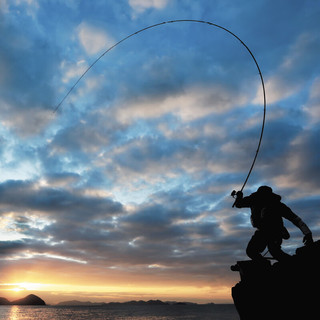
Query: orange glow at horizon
x=54, y=293
x=61, y=280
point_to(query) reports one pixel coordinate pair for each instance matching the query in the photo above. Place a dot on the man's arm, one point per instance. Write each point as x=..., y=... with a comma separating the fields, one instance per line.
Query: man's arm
x=298, y=222
x=242, y=202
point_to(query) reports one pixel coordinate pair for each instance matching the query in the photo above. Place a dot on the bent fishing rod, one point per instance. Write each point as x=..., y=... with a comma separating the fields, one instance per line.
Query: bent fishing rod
x=186, y=21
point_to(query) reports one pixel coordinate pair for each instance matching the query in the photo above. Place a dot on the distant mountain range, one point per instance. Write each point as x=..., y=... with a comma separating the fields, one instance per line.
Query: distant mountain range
x=89, y=303
x=133, y=302
x=34, y=300
x=30, y=300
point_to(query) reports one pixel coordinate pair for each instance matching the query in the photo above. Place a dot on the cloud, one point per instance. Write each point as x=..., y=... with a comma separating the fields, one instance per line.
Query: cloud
x=60, y=179
x=141, y=5
x=93, y=39
x=302, y=165
x=73, y=71
x=52, y=224
x=30, y=7
x=296, y=66
x=80, y=138
x=34, y=197
x=189, y=105
x=27, y=112
x=4, y=6
x=163, y=232
x=312, y=107
x=27, y=121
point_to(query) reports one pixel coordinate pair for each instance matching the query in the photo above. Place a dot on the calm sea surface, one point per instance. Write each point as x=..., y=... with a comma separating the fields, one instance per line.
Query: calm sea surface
x=171, y=312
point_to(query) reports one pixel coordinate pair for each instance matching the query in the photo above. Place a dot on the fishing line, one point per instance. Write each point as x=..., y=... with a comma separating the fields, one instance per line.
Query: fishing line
x=193, y=21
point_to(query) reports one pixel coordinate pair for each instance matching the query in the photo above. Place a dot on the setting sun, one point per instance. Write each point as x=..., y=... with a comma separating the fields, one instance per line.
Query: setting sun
x=19, y=287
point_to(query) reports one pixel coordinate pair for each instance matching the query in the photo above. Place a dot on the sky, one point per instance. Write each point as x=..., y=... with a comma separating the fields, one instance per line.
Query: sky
x=124, y=192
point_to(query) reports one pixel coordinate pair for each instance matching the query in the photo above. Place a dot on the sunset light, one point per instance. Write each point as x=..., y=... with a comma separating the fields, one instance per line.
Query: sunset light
x=56, y=292
x=115, y=176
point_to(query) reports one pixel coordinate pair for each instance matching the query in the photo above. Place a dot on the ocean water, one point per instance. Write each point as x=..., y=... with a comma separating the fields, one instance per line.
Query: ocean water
x=161, y=312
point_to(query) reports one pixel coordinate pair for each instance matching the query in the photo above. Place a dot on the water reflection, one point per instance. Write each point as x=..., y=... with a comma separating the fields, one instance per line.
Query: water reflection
x=149, y=312
x=14, y=313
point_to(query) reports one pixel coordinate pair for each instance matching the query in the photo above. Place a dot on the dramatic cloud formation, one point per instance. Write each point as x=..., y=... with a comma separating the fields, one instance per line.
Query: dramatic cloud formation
x=124, y=193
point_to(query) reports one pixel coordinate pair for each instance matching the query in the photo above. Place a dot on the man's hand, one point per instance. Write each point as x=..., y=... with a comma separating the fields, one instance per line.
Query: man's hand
x=239, y=194
x=307, y=239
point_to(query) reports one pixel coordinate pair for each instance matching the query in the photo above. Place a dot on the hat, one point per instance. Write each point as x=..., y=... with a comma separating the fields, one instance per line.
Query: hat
x=264, y=190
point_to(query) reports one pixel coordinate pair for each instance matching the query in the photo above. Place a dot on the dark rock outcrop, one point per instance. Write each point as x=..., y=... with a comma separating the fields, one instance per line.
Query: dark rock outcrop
x=30, y=300
x=282, y=290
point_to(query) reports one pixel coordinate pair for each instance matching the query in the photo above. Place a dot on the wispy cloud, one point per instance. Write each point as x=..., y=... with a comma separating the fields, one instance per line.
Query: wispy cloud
x=93, y=39
x=141, y=5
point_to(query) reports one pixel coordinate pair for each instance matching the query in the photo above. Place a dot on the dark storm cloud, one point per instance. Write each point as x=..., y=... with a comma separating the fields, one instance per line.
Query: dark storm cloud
x=24, y=195
x=152, y=234
x=168, y=233
x=47, y=216
x=11, y=247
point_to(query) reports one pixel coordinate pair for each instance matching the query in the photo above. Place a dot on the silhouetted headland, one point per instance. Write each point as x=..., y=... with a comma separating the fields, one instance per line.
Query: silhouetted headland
x=30, y=300
x=282, y=290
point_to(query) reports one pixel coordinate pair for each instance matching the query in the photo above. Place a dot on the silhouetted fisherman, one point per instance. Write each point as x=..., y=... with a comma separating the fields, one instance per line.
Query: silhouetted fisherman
x=267, y=212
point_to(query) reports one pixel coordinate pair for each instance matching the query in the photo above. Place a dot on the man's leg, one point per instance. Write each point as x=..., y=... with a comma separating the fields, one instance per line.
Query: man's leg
x=256, y=245
x=274, y=246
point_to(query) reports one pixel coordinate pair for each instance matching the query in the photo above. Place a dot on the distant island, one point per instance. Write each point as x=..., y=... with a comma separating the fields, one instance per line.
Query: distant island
x=33, y=300
x=133, y=302
x=30, y=300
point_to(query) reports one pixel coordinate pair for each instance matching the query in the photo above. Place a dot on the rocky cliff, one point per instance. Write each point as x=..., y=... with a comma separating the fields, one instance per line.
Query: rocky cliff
x=280, y=290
